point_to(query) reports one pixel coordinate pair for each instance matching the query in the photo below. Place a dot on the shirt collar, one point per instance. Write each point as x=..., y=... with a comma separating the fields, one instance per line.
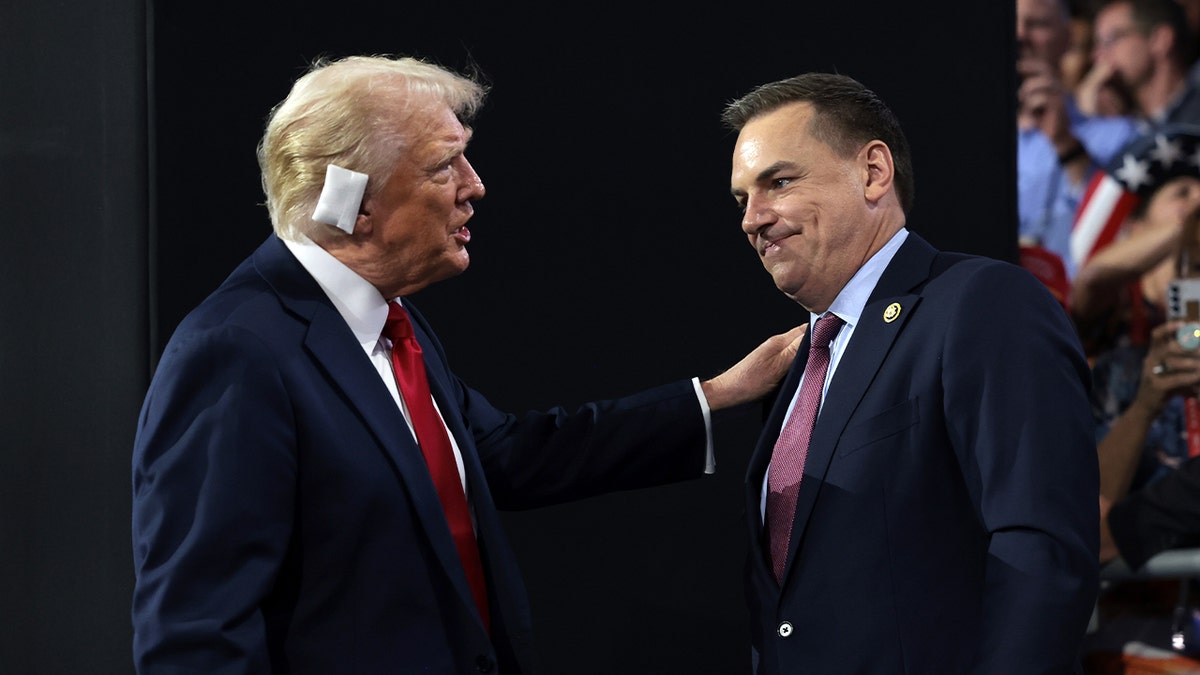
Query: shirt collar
x=852, y=299
x=355, y=298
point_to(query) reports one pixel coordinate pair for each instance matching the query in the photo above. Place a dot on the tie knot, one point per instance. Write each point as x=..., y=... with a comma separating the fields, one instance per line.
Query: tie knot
x=397, y=327
x=825, y=330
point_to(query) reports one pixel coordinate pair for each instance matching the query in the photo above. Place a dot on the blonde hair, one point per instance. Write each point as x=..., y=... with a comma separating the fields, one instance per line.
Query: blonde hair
x=360, y=113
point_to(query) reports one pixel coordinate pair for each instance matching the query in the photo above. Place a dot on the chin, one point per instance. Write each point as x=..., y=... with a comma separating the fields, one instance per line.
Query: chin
x=788, y=288
x=456, y=266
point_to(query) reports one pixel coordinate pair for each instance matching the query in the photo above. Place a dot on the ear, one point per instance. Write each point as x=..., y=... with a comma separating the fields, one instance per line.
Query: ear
x=364, y=223
x=1162, y=40
x=878, y=169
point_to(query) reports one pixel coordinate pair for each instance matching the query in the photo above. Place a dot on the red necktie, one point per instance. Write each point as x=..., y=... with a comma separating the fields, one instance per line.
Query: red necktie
x=409, y=368
x=787, y=460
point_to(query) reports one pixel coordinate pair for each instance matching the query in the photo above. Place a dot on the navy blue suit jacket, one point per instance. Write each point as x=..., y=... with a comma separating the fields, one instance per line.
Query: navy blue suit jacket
x=947, y=520
x=283, y=517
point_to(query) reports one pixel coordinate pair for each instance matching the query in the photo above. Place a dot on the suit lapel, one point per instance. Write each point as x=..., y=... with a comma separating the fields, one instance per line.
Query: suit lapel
x=886, y=313
x=336, y=352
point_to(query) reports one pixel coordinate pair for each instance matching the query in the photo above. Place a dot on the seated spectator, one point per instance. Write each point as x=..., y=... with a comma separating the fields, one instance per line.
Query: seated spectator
x=1058, y=147
x=1088, y=81
x=1150, y=502
x=1148, y=49
x=1149, y=480
x=1127, y=233
x=1144, y=387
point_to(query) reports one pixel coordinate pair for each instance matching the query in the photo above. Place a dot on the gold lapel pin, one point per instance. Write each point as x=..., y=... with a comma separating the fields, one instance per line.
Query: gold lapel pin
x=891, y=313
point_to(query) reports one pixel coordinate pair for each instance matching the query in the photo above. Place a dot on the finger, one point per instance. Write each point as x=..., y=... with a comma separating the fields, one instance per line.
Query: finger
x=797, y=333
x=1033, y=87
x=1183, y=364
x=1163, y=342
x=794, y=337
x=1165, y=330
x=1173, y=381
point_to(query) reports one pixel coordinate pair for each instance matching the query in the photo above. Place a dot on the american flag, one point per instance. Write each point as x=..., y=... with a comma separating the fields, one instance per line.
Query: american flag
x=1132, y=176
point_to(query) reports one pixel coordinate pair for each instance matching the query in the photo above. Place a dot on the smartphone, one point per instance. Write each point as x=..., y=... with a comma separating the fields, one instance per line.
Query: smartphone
x=1183, y=302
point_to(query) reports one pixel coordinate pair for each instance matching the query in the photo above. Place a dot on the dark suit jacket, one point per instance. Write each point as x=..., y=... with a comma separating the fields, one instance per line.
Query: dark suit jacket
x=283, y=517
x=947, y=521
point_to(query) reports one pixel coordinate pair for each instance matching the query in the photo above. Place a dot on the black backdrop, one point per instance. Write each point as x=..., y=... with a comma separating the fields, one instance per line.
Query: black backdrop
x=606, y=257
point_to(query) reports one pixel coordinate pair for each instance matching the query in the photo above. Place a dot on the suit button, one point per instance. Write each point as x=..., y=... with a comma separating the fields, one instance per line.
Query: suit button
x=484, y=664
x=785, y=629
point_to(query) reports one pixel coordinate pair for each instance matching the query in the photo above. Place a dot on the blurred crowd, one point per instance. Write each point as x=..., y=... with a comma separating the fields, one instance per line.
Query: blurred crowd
x=1108, y=156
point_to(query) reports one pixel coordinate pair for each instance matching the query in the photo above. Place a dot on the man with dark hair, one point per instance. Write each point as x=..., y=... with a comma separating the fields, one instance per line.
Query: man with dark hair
x=1149, y=49
x=923, y=496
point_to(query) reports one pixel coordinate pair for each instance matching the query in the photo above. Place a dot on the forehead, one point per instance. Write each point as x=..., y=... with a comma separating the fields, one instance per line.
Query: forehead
x=427, y=139
x=436, y=126
x=1175, y=184
x=776, y=134
x=1040, y=9
x=791, y=115
x=1116, y=13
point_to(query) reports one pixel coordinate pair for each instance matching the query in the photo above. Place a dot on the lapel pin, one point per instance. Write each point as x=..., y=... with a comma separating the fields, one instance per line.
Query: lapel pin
x=891, y=313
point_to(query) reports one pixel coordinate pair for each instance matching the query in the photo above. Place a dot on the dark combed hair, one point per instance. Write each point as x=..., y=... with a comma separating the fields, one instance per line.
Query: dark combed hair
x=1150, y=14
x=847, y=116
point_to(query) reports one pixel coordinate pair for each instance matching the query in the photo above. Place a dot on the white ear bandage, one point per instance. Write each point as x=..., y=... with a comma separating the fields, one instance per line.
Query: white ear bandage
x=340, y=198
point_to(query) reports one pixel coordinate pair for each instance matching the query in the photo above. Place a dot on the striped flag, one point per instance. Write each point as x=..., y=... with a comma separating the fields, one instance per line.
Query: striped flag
x=1142, y=167
x=1106, y=203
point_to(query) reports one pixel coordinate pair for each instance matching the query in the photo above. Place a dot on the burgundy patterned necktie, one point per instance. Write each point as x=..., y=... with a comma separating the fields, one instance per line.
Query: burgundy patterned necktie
x=787, y=460
x=431, y=433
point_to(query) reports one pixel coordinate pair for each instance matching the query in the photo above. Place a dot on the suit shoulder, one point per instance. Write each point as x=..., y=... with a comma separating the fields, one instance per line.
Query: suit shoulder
x=244, y=302
x=986, y=283
x=969, y=268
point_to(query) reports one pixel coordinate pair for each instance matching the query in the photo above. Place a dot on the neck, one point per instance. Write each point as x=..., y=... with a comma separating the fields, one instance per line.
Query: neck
x=1160, y=90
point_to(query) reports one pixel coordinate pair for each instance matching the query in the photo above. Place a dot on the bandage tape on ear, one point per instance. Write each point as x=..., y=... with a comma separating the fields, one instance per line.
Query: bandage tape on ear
x=341, y=198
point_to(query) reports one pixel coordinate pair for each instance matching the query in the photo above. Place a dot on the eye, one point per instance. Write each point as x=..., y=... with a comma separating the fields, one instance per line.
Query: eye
x=780, y=183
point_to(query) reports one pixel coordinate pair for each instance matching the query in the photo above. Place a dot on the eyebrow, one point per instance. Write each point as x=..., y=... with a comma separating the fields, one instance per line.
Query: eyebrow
x=770, y=171
x=453, y=148
x=766, y=174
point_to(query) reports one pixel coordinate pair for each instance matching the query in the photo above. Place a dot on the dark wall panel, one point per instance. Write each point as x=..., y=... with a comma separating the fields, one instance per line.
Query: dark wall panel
x=73, y=348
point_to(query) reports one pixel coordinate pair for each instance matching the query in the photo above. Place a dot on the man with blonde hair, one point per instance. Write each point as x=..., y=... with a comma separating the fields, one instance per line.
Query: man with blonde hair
x=314, y=491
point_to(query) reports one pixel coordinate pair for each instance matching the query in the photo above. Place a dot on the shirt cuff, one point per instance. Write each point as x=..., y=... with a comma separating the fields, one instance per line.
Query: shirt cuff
x=710, y=458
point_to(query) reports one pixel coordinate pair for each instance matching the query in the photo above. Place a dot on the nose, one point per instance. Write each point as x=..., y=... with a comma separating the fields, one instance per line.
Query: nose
x=756, y=215
x=472, y=185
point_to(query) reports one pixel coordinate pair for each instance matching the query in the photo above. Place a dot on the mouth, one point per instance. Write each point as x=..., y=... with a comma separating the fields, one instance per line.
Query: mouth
x=462, y=234
x=768, y=246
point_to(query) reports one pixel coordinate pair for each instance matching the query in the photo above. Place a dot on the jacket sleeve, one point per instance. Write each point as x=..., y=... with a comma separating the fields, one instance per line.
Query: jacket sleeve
x=213, y=494
x=1020, y=422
